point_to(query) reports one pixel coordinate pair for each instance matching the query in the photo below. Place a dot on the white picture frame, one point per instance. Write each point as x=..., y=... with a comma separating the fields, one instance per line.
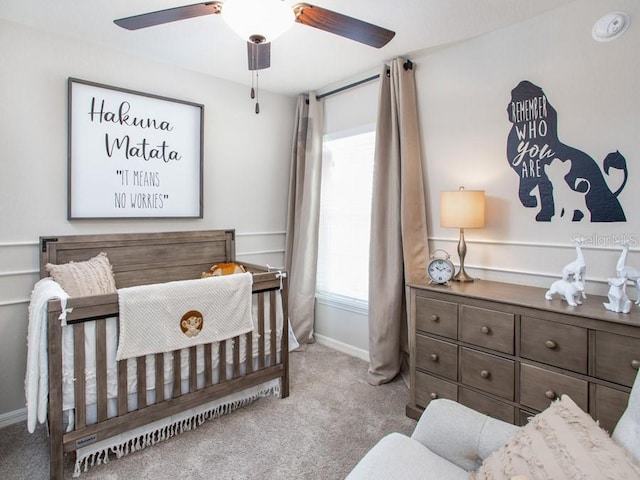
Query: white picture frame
x=132, y=154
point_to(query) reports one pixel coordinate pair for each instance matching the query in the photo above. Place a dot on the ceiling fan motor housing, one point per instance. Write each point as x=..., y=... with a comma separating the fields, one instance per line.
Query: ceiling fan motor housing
x=258, y=53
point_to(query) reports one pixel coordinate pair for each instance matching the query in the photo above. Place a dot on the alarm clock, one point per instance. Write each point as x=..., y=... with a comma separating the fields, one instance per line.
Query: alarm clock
x=440, y=269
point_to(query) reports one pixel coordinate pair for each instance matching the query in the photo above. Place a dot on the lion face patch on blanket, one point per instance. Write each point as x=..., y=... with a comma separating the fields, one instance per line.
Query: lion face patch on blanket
x=191, y=323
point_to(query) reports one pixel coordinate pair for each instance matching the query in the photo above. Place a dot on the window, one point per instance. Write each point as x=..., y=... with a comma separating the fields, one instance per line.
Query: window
x=345, y=218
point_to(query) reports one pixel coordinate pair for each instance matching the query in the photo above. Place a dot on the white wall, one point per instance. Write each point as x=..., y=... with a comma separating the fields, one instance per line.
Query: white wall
x=463, y=92
x=463, y=95
x=246, y=166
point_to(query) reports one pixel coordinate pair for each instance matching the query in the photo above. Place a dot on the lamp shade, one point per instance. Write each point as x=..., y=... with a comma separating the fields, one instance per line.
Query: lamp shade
x=265, y=18
x=462, y=208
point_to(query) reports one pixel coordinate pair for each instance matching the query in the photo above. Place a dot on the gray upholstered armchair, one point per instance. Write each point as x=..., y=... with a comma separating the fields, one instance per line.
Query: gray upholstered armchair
x=449, y=441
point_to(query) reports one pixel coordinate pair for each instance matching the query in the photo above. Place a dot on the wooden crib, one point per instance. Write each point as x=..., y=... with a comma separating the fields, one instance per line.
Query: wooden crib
x=142, y=259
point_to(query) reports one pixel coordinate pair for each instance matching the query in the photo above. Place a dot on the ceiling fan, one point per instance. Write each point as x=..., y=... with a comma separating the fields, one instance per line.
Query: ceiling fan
x=260, y=21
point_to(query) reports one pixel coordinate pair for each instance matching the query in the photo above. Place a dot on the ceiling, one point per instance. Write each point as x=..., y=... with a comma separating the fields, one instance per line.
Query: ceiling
x=302, y=59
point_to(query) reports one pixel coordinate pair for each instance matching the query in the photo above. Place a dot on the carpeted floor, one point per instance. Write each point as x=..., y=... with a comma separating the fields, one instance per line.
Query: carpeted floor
x=329, y=421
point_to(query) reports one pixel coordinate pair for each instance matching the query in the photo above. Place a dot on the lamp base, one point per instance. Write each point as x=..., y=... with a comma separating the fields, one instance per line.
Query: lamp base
x=462, y=276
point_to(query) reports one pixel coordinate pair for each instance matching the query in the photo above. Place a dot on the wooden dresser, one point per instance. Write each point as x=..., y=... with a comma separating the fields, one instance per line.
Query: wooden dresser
x=504, y=350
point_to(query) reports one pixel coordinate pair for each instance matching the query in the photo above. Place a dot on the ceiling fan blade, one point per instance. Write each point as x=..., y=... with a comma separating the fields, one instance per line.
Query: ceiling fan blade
x=342, y=25
x=259, y=55
x=169, y=15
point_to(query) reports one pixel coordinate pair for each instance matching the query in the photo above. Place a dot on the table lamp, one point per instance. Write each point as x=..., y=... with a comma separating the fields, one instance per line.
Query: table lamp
x=462, y=209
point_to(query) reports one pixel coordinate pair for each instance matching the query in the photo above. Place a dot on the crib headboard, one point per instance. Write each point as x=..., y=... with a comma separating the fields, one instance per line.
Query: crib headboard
x=144, y=258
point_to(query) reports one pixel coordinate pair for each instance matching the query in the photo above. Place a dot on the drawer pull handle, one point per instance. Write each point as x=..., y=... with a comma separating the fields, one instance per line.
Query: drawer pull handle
x=485, y=373
x=635, y=364
x=434, y=357
x=550, y=344
x=550, y=394
x=433, y=395
x=435, y=318
x=485, y=330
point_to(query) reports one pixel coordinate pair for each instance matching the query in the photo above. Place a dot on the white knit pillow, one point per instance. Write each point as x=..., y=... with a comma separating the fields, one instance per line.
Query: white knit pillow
x=560, y=442
x=81, y=279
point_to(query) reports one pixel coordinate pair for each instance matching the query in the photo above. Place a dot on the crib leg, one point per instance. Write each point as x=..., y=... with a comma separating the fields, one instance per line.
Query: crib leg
x=55, y=460
x=284, y=347
x=56, y=447
x=284, y=356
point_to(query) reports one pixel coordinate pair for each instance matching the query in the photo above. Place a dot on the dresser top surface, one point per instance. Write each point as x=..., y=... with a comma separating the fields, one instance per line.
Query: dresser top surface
x=533, y=297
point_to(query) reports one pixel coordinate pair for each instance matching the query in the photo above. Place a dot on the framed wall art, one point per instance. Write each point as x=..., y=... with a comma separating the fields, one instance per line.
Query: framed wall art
x=132, y=154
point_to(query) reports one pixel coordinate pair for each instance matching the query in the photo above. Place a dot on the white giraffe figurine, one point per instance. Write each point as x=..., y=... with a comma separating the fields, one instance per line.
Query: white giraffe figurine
x=628, y=272
x=577, y=269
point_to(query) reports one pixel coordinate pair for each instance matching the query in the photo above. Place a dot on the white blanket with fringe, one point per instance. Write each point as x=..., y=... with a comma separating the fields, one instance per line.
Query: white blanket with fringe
x=36, y=382
x=151, y=315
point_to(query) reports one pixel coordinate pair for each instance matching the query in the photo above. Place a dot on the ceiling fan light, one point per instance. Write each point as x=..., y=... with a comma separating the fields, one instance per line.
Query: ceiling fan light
x=266, y=18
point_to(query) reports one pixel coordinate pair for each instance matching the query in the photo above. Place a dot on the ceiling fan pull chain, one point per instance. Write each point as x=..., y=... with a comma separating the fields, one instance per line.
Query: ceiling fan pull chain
x=257, y=95
x=253, y=91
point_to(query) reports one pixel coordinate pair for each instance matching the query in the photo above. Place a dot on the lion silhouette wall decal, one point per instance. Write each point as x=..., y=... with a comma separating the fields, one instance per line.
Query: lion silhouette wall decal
x=544, y=163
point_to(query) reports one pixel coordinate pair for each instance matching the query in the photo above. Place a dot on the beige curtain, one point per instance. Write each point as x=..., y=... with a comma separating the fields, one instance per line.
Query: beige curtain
x=398, y=249
x=303, y=214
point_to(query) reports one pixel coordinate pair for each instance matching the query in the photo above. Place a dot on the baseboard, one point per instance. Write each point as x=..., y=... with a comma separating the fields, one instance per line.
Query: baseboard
x=342, y=347
x=10, y=418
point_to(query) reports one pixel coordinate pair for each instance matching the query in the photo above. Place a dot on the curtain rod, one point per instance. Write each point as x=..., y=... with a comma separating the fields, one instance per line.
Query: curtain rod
x=408, y=65
x=347, y=87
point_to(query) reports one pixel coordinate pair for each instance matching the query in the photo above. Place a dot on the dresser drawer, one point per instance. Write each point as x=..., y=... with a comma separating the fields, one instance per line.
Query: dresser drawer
x=437, y=356
x=617, y=358
x=539, y=387
x=608, y=405
x=435, y=316
x=487, y=328
x=487, y=372
x=563, y=346
x=487, y=405
x=429, y=388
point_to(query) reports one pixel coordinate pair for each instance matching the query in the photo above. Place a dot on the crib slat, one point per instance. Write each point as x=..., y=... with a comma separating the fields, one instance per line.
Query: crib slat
x=222, y=361
x=177, y=387
x=272, y=323
x=261, y=330
x=193, y=372
x=79, y=374
x=249, y=352
x=122, y=387
x=208, y=370
x=101, y=368
x=236, y=357
x=142, y=381
x=122, y=380
x=159, y=377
